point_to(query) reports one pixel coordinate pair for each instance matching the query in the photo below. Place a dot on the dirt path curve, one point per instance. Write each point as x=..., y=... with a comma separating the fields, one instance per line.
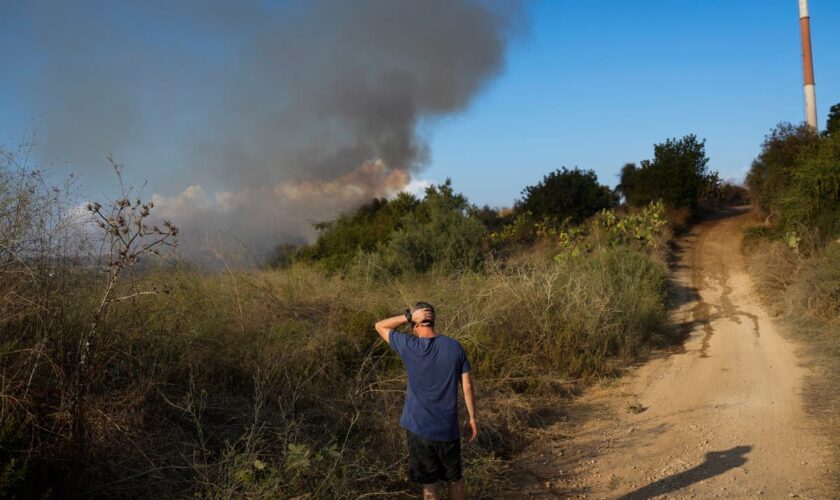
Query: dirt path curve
x=722, y=418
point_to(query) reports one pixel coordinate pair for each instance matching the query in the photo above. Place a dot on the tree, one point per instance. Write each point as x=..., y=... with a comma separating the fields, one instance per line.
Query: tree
x=677, y=175
x=442, y=233
x=566, y=194
x=832, y=125
x=771, y=172
x=812, y=198
x=628, y=187
x=367, y=228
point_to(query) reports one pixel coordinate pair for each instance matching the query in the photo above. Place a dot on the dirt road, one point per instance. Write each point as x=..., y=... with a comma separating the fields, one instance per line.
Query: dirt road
x=720, y=418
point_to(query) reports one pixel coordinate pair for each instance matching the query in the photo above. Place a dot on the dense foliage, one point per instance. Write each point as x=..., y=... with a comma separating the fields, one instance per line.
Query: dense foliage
x=646, y=230
x=572, y=195
x=832, y=124
x=677, y=175
x=771, y=172
x=441, y=231
x=796, y=180
x=370, y=226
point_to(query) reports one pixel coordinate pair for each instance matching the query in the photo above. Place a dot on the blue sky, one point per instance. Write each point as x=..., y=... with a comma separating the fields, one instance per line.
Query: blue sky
x=596, y=84
x=185, y=93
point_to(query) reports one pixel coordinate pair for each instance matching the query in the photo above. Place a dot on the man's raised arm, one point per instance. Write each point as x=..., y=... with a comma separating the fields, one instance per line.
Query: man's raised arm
x=384, y=327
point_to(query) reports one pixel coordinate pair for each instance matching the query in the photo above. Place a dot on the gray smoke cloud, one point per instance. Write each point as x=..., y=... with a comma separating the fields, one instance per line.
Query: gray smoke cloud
x=252, y=116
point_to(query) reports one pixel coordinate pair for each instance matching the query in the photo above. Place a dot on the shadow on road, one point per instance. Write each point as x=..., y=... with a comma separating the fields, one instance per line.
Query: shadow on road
x=716, y=463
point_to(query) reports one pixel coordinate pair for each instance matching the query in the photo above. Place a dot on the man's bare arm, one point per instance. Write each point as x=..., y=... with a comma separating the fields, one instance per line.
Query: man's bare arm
x=384, y=327
x=471, y=427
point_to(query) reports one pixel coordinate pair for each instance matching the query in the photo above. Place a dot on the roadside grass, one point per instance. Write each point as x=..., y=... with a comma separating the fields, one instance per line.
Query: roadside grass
x=804, y=289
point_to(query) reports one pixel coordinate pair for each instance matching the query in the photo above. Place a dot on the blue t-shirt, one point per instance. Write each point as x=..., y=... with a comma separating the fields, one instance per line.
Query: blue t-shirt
x=434, y=367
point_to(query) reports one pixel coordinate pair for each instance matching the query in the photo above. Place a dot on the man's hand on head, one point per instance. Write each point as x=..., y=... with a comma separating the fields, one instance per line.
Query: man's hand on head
x=422, y=316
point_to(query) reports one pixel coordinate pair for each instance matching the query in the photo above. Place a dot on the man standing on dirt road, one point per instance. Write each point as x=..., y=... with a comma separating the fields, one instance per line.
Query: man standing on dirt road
x=435, y=364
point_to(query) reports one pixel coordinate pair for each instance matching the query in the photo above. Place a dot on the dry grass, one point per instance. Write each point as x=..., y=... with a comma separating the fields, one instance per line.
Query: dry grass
x=773, y=267
x=256, y=383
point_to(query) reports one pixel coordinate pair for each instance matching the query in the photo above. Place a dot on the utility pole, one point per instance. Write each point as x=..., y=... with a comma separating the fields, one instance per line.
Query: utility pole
x=808, y=65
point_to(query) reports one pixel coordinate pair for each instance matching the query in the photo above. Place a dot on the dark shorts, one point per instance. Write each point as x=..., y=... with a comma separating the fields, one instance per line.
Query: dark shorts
x=433, y=461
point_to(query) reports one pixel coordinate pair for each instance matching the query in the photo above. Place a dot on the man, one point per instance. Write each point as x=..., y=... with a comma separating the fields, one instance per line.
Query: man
x=435, y=364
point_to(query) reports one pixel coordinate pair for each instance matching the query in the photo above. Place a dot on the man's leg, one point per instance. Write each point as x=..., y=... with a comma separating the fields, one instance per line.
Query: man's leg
x=431, y=491
x=456, y=490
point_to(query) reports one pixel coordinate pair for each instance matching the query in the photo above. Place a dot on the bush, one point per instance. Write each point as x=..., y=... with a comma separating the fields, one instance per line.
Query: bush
x=796, y=180
x=771, y=172
x=812, y=198
x=442, y=234
x=370, y=226
x=643, y=230
x=441, y=231
x=566, y=194
x=677, y=175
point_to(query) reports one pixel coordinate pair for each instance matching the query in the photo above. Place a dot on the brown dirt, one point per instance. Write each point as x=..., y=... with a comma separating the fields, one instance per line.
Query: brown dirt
x=720, y=417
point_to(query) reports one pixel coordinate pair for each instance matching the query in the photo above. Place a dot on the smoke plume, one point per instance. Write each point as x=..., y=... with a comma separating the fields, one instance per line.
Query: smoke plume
x=254, y=117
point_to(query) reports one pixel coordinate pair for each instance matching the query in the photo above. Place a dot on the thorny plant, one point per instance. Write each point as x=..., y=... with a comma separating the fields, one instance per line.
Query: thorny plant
x=127, y=238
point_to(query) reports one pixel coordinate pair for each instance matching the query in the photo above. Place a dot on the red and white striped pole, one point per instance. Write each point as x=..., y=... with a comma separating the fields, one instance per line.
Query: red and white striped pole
x=808, y=65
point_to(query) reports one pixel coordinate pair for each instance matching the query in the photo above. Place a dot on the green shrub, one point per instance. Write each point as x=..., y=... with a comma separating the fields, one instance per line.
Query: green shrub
x=441, y=231
x=812, y=198
x=370, y=226
x=796, y=182
x=442, y=234
x=771, y=172
x=521, y=231
x=677, y=175
x=572, y=195
x=645, y=230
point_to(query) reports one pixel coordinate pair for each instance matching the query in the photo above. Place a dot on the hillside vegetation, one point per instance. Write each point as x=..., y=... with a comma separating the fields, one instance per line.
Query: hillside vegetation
x=795, y=254
x=129, y=375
